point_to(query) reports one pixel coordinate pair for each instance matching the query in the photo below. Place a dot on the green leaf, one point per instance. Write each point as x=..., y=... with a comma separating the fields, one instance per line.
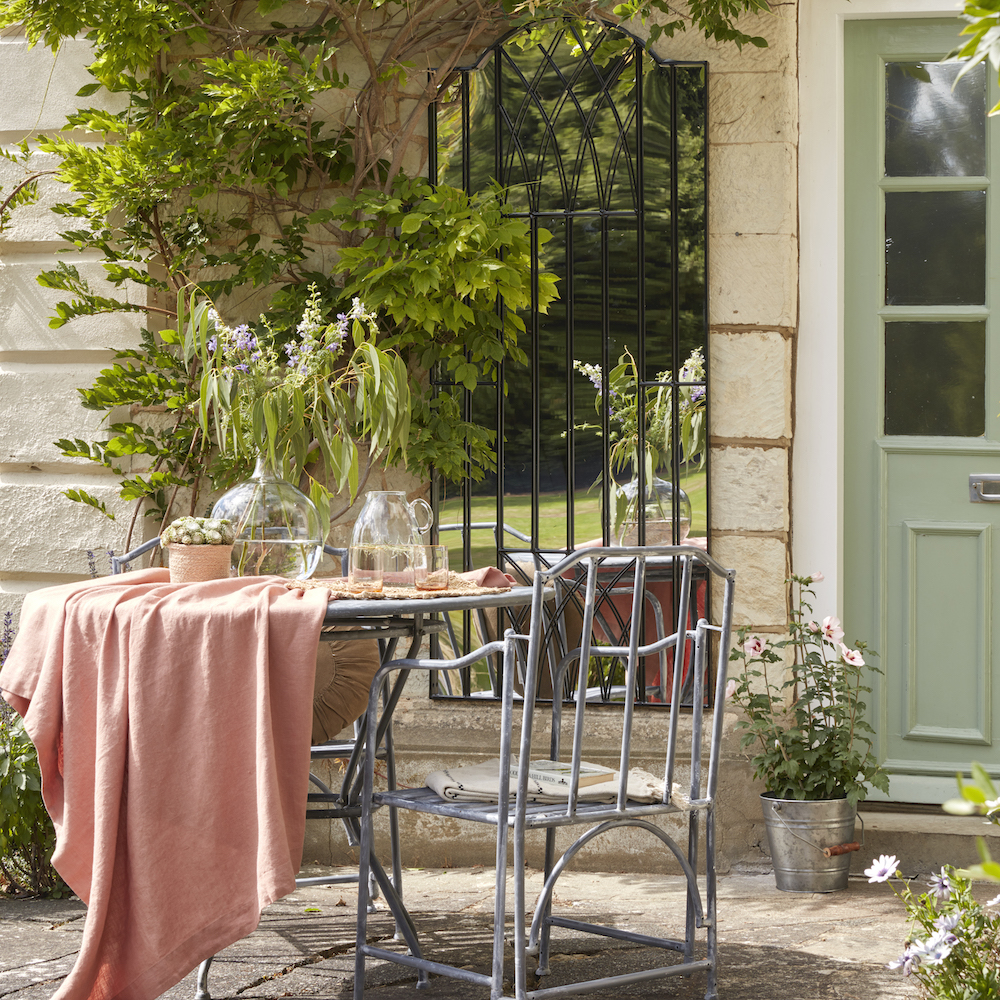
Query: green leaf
x=983, y=781
x=82, y=496
x=412, y=222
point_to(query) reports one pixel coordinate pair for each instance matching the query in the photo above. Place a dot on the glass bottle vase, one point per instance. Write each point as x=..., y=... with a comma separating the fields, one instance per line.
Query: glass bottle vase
x=277, y=526
x=658, y=512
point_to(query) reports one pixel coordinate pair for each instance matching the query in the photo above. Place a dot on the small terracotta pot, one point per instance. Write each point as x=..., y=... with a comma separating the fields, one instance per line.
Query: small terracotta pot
x=197, y=563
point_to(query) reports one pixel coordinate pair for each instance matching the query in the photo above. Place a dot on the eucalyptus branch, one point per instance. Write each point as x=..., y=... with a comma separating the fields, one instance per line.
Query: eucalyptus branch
x=136, y=508
x=362, y=483
x=180, y=475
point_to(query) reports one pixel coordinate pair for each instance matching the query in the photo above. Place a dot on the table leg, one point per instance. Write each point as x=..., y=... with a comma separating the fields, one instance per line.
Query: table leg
x=201, y=989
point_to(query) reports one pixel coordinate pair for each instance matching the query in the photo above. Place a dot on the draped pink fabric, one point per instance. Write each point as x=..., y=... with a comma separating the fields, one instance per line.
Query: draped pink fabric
x=172, y=724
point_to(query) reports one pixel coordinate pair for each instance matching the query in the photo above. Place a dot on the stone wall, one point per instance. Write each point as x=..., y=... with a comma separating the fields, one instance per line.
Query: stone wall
x=753, y=306
x=44, y=537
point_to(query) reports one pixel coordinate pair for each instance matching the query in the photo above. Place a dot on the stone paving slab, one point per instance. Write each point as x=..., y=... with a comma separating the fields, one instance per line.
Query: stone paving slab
x=775, y=945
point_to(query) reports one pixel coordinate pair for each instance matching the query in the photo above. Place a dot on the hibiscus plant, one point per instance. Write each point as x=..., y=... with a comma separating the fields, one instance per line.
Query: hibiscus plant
x=805, y=721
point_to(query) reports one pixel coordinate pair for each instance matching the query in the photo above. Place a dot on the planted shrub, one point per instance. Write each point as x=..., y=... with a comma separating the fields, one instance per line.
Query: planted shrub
x=27, y=837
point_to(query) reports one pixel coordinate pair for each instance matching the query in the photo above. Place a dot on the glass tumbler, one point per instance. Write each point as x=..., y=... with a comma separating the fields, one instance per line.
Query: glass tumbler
x=365, y=568
x=430, y=567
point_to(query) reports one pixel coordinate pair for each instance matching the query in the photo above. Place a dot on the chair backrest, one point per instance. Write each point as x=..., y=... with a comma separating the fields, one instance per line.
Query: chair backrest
x=121, y=563
x=601, y=611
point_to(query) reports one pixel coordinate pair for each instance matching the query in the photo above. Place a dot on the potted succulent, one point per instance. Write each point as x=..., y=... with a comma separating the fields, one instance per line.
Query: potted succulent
x=809, y=740
x=199, y=548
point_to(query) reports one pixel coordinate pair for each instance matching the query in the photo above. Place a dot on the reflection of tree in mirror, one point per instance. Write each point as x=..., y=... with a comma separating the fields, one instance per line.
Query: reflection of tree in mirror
x=596, y=143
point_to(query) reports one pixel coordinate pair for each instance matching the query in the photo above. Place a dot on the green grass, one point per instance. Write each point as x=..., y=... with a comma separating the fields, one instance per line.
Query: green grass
x=551, y=519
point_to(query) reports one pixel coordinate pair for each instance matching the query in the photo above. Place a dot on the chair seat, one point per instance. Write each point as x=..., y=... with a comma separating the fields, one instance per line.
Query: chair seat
x=340, y=749
x=538, y=814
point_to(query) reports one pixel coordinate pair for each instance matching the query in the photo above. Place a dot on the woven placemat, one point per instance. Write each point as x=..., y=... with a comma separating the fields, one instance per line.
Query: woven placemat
x=339, y=591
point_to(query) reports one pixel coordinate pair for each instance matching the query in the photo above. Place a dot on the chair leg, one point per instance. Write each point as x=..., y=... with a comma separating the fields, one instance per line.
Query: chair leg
x=201, y=989
x=711, y=908
x=405, y=928
x=369, y=867
x=365, y=839
x=690, y=922
x=500, y=912
x=520, y=953
x=544, y=929
x=364, y=908
x=397, y=865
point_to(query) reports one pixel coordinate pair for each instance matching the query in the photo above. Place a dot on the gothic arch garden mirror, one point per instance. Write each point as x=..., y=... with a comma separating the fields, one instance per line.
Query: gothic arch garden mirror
x=602, y=149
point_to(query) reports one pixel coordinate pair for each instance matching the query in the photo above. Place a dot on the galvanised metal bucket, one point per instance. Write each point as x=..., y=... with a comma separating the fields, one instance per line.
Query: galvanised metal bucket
x=798, y=831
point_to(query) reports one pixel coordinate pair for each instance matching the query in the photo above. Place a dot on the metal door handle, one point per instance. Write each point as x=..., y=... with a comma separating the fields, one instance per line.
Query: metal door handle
x=984, y=489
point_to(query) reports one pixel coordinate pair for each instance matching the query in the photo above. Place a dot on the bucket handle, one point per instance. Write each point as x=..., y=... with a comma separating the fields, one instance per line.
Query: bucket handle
x=827, y=852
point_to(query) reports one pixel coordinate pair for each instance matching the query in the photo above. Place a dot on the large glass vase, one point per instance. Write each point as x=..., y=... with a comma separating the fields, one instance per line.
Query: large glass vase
x=277, y=526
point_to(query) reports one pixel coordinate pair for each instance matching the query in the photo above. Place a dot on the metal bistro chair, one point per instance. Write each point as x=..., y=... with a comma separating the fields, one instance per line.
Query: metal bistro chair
x=322, y=801
x=691, y=795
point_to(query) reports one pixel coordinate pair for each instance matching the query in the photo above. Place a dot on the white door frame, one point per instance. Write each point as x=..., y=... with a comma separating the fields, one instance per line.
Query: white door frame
x=818, y=449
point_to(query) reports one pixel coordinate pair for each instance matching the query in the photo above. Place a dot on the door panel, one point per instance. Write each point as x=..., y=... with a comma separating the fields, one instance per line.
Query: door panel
x=921, y=396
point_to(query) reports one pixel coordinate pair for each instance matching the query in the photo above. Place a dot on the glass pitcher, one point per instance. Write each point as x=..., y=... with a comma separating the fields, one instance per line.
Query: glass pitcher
x=391, y=525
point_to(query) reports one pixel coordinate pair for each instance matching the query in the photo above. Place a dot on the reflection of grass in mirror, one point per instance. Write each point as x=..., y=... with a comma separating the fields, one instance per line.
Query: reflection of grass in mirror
x=551, y=519
x=607, y=672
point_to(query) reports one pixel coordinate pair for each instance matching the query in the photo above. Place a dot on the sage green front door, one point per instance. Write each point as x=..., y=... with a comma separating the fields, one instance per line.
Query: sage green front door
x=921, y=397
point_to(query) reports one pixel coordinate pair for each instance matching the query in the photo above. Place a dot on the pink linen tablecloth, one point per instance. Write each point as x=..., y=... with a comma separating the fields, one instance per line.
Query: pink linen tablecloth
x=172, y=724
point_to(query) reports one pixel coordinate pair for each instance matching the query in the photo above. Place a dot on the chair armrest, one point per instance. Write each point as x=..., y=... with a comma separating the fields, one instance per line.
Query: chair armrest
x=118, y=563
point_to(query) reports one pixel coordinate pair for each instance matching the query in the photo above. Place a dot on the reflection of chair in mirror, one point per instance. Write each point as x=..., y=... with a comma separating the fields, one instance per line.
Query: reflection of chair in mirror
x=584, y=735
x=322, y=801
x=612, y=617
x=469, y=629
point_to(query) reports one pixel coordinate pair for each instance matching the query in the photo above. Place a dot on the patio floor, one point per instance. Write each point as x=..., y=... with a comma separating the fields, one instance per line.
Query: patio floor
x=774, y=945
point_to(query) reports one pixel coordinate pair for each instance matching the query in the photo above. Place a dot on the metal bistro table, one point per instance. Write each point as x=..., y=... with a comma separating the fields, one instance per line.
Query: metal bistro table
x=388, y=620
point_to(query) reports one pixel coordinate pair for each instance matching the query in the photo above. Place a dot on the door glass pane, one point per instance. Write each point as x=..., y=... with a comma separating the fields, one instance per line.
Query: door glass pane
x=935, y=124
x=935, y=248
x=935, y=378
